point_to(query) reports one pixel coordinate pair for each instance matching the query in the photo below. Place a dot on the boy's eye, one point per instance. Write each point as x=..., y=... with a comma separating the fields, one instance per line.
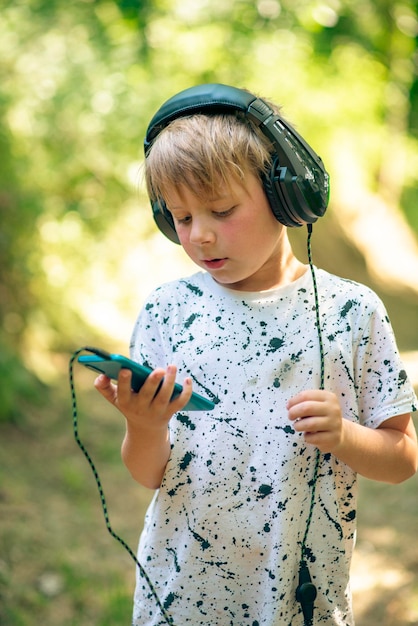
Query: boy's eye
x=183, y=220
x=224, y=213
x=186, y=219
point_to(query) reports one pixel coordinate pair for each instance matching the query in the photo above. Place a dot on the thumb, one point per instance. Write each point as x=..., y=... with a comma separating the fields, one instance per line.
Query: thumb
x=104, y=385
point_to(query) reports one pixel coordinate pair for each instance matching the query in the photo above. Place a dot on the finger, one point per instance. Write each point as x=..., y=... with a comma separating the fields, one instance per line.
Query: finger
x=147, y=390
x=124, y=385
x=307, y=425
x=305, y=396
x=181, y=400
x=165, y=386
x=104, y=385
x=304, y=410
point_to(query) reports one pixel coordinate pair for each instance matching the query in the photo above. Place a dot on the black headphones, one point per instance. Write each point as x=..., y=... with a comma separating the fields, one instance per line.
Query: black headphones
x=297, y=186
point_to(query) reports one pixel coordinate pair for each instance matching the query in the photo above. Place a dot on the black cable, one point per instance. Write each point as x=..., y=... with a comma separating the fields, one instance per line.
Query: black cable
x=306, y=591
x=321, y=386
x=168, y=620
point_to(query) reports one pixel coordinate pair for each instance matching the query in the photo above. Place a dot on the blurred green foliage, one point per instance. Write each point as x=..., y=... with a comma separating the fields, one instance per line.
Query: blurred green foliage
x=79, y=82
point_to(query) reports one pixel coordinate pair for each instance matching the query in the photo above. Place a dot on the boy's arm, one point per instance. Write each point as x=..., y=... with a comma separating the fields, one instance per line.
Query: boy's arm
x=145, y=453
x=388, y=453
x=146, y=445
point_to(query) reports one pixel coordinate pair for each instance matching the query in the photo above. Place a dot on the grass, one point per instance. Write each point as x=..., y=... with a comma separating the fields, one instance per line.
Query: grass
x=59, y=565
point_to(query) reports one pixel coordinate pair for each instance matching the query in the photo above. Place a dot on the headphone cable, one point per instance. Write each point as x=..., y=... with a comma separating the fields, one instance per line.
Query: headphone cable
x=168, y=620
x=321, y=386
x=306, y=591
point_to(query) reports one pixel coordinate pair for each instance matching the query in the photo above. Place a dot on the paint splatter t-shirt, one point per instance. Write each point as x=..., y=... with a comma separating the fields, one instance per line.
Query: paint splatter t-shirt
x=222, y=536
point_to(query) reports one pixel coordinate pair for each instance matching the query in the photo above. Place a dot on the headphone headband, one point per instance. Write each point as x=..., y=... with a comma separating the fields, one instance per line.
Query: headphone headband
x=208, y=99
x=297, y=186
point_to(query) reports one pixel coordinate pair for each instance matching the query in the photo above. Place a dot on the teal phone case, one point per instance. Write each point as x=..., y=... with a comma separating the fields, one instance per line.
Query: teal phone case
x=111, y=366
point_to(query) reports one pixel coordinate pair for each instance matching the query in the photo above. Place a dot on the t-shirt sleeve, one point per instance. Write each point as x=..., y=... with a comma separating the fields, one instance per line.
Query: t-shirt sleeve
x=383, y=387
x=146, y=345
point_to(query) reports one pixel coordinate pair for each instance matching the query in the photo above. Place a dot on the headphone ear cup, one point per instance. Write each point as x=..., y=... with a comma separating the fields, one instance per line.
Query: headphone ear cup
x=276, y=203
x=295, y=200
x=164, y=220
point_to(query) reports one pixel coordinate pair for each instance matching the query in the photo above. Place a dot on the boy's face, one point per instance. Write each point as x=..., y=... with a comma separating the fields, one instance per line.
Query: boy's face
x=235, y=236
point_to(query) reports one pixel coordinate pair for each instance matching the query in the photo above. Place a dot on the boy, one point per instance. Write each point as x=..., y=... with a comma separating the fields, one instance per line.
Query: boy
x=253, y=521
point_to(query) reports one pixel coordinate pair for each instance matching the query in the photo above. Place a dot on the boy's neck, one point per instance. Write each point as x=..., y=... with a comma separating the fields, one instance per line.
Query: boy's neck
x=288, y=271
x=287, y=267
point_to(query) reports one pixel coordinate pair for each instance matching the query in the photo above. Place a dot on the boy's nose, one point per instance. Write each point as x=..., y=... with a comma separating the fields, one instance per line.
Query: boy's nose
x=201, y=232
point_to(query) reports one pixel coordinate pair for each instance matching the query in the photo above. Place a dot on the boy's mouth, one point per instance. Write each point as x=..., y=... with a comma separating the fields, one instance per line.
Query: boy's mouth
x=214, y=264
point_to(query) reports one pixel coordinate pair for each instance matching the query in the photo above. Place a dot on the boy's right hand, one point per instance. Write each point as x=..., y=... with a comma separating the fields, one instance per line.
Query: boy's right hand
x=146, y=446
x=151, y=407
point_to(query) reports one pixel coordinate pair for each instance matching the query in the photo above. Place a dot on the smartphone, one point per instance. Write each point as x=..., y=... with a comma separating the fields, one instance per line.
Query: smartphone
x=111, y=364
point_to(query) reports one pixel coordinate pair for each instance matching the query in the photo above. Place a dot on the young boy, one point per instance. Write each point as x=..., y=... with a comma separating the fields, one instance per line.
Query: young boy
x=253, y=521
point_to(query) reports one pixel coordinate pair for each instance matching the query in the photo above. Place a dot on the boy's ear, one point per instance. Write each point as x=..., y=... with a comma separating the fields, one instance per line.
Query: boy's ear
x=164, y=220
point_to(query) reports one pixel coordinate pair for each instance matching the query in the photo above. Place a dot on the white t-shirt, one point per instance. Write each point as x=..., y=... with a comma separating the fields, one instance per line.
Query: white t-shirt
x=222, y=536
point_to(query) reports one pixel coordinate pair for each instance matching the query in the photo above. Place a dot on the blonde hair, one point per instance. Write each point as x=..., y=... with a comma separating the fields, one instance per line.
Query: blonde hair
x=203, y=153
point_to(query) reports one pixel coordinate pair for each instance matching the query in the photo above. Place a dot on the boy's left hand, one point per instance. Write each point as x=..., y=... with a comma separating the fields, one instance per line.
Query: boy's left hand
x=317, y=414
